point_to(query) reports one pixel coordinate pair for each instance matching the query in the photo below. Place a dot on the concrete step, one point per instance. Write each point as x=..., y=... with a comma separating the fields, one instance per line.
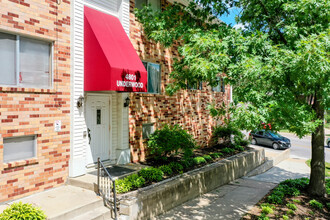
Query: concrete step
x=101, y=213
x=74, y=211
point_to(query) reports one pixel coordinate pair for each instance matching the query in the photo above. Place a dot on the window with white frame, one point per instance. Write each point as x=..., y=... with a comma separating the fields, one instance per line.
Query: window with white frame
x=154, y=4
x=154, y=78
x=25, y=62
x=19, y=148
x=220, y=87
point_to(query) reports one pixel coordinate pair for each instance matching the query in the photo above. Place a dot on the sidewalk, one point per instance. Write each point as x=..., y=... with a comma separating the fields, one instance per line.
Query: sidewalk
x=232, y=201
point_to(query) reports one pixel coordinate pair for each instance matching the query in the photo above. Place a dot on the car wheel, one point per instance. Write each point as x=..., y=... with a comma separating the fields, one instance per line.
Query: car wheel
x=276, y=146
x=253, y=141
x=329, y=144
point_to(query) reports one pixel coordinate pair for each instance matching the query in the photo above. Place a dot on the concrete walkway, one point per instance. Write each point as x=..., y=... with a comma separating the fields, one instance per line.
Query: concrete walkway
x=232, y=201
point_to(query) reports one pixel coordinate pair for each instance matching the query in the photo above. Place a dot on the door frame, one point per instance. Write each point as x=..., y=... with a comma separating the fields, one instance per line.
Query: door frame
x=90, y=95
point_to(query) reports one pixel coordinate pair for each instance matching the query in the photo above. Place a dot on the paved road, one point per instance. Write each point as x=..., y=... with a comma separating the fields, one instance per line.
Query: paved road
x=301, y=148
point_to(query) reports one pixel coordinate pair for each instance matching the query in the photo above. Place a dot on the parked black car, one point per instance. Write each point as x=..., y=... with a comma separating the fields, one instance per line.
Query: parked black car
x=269, y=138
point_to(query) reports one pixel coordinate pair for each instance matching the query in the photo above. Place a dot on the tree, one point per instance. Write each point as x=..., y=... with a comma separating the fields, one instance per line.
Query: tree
x=278, y=64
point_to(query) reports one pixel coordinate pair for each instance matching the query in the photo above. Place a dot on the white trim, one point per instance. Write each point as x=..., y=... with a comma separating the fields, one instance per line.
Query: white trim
x=101, y=9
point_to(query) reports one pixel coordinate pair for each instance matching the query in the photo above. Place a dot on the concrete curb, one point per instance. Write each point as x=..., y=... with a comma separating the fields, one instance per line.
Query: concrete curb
x=270, y=163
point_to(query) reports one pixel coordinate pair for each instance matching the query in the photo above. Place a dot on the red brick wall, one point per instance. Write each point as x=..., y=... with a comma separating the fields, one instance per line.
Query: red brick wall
x=33, y=111
x=186, y=107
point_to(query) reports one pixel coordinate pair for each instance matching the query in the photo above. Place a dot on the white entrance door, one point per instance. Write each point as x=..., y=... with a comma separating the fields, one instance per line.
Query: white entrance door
x=98, y=126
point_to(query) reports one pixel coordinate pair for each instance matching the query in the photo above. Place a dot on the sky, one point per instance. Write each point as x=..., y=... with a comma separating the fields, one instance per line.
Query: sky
x=230, y=18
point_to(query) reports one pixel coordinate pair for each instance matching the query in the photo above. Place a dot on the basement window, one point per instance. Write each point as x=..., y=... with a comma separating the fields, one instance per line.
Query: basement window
x=19, y=148
x=147, y=130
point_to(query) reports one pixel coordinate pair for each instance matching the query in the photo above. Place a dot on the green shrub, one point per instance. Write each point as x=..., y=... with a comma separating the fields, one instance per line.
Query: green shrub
x=242, y=142
x=176, y=167
x=187, y=163
x=300, y=183
x=166, y=169
x=291, y=206
x=22, y=211
x=228, y=150
x=216, y=155
x=207, y=157
x=315, y=204
x=170, y=140
x=136, y=180
x=123, y=185
x=285, y=217
x=267, y=210
x=327, y=186
x=221, y=136
x=239, y=148
x=290, y=212
x=199, y=160
x=263, y=217
x=276, y=197
x=151, y=174
x=296, y=201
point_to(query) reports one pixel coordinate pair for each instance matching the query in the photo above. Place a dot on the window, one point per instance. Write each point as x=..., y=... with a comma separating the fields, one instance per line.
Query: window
x=155, y=4
x=220, y=87
x=19, y=148
x=194, y=86
x=147, y=130
x=154, y=78
x=25, y=62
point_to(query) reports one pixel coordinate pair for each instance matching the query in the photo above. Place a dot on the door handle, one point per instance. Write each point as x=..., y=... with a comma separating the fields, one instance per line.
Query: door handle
x=89, y=135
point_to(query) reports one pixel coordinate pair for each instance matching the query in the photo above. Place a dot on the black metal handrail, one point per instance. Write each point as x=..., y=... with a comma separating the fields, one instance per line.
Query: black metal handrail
x=106, y=184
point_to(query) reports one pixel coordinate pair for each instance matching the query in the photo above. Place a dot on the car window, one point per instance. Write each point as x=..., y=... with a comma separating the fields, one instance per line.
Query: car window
x=275, y=135
x=260, y=132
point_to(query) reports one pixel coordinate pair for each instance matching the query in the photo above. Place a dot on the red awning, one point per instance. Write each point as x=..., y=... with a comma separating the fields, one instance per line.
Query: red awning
x=111, y=63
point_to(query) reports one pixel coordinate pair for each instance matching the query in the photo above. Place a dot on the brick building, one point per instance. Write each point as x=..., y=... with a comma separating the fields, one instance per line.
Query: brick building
x=113, y=122
x=34, y=94
x=78, y=81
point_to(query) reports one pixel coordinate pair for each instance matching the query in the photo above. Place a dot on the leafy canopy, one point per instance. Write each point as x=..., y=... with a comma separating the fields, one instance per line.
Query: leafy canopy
x=278, y=64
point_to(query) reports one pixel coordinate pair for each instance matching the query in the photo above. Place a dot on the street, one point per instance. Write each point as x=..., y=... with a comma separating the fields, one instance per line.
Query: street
x=301, y=148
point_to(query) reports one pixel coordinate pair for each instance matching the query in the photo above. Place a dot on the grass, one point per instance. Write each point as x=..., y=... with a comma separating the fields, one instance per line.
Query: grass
x=327, y=167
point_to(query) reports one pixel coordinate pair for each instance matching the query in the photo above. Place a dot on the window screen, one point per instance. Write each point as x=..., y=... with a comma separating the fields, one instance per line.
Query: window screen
x=153, y=78
x=140, y=3
x=147, y=130
x=155, y=4
x=18, y=148
x=34, y=63
x=7, y=59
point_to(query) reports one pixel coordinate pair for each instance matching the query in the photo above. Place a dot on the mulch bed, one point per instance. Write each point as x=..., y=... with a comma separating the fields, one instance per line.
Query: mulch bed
x=304, y=210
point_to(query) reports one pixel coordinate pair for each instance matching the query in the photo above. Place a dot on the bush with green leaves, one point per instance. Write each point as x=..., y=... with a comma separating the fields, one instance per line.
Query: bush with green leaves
x=216, y=155
x=221, y=136
x=151, y=174
x=263, y=217
x=176, y=167
x=285, y=217
x=123, y=186
x=170, y=140
x=315, y=204
x=267, y=210
x=207, y=157
x=199, y=160
x=239, y=148
x=291, y=206
x=228, y=150
x=187, y=163
x=22, y=211
x=290, y=212
x=167, y=170
x=136, y=180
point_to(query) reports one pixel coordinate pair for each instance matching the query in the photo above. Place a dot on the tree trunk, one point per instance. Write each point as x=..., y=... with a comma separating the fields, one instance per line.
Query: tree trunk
x=317, y=176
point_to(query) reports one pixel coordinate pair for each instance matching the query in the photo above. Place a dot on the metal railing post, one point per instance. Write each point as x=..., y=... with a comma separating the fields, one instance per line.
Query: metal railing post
x=114, y=198
x=98, y=176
